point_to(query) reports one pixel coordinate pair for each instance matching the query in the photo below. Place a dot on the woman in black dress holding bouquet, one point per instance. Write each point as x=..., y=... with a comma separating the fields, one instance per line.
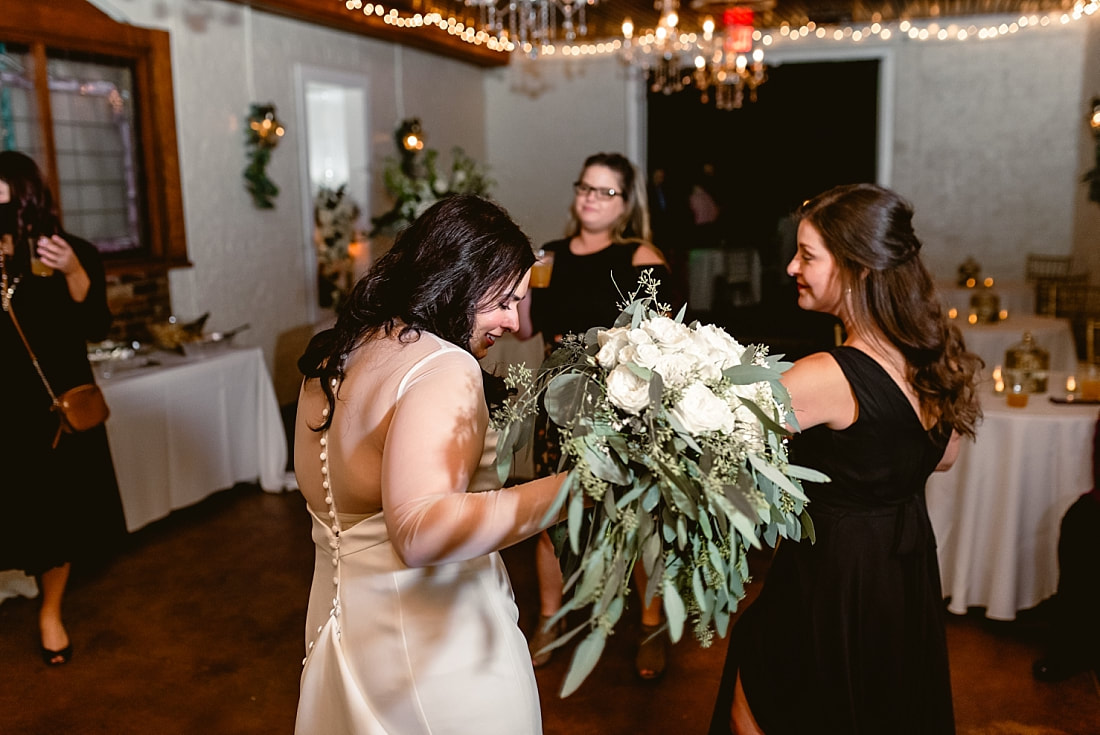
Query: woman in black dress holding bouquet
x=56, y=503
x=847, y=635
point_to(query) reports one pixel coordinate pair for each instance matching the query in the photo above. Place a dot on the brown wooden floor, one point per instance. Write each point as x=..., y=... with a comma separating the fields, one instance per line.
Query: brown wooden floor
x=197, y=629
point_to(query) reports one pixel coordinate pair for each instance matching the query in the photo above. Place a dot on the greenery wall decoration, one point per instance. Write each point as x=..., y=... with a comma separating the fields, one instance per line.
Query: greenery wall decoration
x=262, y=135
x=416, y=181
x=1092, y=178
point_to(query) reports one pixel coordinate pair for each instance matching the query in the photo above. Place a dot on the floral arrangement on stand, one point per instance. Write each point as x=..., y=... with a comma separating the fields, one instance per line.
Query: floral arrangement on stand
x=334, y=218
x=672, y=436
x=417, y=183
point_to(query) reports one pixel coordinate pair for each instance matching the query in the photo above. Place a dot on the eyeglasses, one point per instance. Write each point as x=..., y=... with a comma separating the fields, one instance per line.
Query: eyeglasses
x=583, y=190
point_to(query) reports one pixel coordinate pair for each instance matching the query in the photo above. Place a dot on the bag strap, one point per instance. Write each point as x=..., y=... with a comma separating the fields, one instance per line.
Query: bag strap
x=34, y=359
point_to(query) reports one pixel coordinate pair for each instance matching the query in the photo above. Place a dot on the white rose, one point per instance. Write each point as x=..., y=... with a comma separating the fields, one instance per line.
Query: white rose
x=715, y=342
x=700, y=411
x=627, y=391
x=676, y=369
x=668, y=333
x=610, y=341
x=645, y=355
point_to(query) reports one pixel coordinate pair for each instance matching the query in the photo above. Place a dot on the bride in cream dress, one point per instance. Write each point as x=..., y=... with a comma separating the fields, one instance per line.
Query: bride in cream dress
x=411, y=626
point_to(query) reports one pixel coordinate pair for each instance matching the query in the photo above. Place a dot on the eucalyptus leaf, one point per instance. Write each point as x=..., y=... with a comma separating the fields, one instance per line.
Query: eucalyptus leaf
x=767, y=421
x=559, y=500
x=747, y=374
x=807, y=473
x=773, y=474
x=603, y=465
x=697, y=586
x=585, y=657
x=613, y=587
x=675, y=613
x=591, y=579
x=576, y=516
x=565, y=397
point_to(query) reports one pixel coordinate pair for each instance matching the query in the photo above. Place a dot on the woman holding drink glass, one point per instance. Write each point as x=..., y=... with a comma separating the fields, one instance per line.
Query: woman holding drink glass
x=578, y=283
x=58, y=495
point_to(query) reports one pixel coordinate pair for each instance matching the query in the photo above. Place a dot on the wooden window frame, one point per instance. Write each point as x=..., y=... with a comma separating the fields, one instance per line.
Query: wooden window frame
x=80, y=27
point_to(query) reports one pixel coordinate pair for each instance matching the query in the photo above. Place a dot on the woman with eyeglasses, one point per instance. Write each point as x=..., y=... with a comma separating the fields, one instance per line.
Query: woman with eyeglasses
x=607, y=246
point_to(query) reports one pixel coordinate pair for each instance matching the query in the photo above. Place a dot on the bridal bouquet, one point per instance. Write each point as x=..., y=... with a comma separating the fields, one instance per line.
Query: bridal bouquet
x=672, y=436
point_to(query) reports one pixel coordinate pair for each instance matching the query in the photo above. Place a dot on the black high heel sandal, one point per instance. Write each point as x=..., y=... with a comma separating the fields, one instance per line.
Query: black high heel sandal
x=56, y=658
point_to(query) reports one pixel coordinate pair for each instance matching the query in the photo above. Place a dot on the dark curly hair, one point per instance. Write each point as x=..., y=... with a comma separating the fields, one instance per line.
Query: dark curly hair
x=868, y=230
x=462, y=252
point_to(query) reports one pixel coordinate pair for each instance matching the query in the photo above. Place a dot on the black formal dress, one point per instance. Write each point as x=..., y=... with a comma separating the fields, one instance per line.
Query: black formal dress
x=847, y=636
x=56, y=504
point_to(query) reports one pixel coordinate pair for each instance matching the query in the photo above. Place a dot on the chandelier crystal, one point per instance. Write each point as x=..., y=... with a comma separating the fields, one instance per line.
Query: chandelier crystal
x=532, y=24
x=724, y=58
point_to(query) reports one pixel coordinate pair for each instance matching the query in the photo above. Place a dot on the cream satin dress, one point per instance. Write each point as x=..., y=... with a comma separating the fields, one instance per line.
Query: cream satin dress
x=401, y=650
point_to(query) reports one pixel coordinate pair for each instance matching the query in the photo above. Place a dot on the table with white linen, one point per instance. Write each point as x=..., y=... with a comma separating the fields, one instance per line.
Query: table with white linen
x=1015, y=297
x=998, y=511
x=189, y=427
x=991, y=341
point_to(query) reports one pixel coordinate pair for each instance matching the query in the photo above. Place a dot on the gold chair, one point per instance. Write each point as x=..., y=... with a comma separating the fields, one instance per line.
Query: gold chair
x=1051, y=293
x=1046, y=266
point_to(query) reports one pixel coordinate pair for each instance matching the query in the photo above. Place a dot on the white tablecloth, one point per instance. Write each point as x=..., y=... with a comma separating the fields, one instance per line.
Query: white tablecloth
x=997, y=512
x=1015, y=297
x=991, y=341
x=186, y=429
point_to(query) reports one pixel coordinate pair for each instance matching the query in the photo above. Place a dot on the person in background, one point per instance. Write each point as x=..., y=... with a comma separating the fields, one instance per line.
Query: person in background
x=57, y=504
x=1073, y=639
x=847, y=635
x=411, y=625
x=607, y=246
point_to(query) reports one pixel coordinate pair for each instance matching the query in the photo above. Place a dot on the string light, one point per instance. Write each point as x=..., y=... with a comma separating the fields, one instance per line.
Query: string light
x=929, y=30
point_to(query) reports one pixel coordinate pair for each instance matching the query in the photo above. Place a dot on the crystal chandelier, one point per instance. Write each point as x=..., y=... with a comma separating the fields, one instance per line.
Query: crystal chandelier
x=532, y=24
x=720, y=58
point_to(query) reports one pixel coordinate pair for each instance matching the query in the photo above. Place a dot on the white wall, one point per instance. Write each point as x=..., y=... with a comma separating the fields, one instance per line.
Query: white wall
x=986, y=145
x=543, y=118
x=249, y=264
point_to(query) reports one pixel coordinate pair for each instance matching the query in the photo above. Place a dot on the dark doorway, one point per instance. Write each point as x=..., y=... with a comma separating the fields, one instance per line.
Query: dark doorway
x=813, y=126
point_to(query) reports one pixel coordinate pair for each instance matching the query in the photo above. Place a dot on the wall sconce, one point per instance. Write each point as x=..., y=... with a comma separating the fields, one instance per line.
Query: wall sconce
x=1092, y=178
x=263, y=133
x=410, y=141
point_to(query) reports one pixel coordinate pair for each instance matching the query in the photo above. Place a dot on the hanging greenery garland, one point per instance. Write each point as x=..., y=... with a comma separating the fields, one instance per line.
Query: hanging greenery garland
x=262, y=135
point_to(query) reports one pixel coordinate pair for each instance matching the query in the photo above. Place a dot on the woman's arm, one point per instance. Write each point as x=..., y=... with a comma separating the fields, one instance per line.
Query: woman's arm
x=432, y=448
x=648, y=254
x=820, y=394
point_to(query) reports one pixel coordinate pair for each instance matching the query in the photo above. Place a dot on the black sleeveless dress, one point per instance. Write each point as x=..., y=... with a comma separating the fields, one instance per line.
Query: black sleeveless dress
x=847, y=635
x=585, y=290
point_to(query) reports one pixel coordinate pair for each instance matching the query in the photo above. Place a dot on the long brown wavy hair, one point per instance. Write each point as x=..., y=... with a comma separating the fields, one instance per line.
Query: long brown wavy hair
x=868, y=230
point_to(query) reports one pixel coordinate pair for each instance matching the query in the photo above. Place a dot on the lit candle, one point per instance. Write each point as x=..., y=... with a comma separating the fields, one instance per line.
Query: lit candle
x=973, y=318
x=1071, y=384
x=998, y=386
x=988, y=283
x=997, y=372
x=1004, y=314
x=970, y=283
x=952, y=313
